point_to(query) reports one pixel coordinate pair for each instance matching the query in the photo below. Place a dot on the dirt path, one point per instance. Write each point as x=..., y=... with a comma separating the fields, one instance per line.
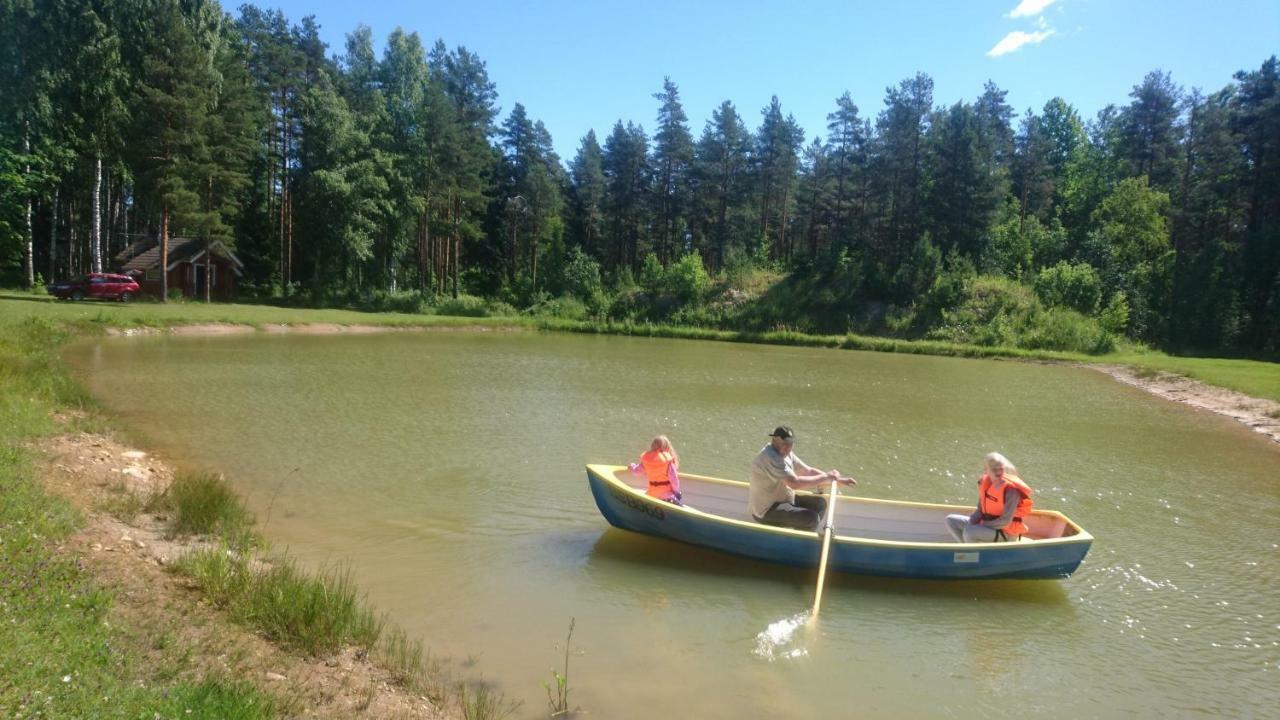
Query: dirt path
x=159, y=610
x=1262, y=416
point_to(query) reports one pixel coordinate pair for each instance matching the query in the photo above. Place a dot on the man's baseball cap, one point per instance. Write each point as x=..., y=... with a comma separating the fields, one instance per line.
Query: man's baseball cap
x=782, y=432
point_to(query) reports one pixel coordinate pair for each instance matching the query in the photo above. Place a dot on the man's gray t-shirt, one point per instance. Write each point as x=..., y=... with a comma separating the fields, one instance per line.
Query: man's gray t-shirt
x=769, y=472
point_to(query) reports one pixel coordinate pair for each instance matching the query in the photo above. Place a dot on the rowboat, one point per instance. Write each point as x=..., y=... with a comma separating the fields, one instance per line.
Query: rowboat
x=872, y=537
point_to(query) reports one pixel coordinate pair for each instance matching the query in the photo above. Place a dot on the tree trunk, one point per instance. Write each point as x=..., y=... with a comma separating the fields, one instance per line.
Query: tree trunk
x=53, y=237
x=74, y=266
x=424, y=238
x=457, y=241
x=208, y=247
x=784, y=247
x=285, y=249
x=29, y=247
x=164, y=253
x=95, y=217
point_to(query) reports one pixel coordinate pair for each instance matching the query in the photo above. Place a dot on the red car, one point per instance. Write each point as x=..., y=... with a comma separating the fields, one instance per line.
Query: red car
x=103, y=286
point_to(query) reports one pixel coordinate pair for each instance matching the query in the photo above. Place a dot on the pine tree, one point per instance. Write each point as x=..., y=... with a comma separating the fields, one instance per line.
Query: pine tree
x=900, y=165
x=721, y=163
x=848, y=136
x=672, y=160
x=626, y=171
x=587, y=173
x=174, y=94
x=777, y=149
x=1149, y=132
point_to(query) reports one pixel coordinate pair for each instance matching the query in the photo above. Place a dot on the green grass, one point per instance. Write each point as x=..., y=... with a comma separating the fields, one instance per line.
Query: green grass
x=204, y=504
x=316, y=613
x=1251, y=377
x=58, y=655
x=15, y=305
x=793, y=338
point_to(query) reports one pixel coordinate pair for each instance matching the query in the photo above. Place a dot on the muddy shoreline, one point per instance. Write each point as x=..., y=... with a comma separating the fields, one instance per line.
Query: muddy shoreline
x=129, y=553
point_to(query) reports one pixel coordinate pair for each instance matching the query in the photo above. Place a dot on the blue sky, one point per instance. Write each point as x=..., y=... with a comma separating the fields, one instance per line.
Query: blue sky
x=578, y=65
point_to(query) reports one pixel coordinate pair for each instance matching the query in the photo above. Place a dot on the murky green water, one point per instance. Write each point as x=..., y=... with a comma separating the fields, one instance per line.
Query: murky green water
x=447, y=469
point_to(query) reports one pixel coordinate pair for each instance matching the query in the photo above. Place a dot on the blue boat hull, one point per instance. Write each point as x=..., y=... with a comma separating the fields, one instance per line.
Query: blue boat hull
x=629, y=509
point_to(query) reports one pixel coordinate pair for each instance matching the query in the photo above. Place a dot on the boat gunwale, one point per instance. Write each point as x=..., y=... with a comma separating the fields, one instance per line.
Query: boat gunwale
x=608, y=474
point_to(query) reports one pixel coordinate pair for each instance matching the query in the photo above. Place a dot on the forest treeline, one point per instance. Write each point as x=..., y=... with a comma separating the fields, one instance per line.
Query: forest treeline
x=344, y=177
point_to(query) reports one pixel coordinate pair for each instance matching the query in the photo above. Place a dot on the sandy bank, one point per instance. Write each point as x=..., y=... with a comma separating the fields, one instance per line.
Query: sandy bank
x=129, y=554
x=1262, y=416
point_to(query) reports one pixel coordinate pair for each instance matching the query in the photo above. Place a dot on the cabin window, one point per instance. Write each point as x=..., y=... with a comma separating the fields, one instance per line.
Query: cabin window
x=153, y=275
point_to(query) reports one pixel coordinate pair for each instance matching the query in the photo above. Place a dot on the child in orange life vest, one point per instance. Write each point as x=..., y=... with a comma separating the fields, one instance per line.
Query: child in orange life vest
x=660, y=466
x=1004, y=501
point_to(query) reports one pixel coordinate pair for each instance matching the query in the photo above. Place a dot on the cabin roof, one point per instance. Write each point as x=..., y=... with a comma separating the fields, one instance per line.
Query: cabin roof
x=145, y=254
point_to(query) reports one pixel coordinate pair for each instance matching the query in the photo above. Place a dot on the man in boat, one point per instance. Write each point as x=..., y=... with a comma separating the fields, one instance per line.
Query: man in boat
x=776, y=473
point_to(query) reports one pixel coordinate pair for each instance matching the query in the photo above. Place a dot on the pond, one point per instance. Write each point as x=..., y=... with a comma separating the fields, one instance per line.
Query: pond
x=446, y=470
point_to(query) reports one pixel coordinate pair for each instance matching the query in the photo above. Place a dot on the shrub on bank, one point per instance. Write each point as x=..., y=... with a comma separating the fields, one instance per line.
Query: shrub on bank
x=998, y=311
x=566, y=307
x=410, y=302
x=314, y=613
x=204, y=504
x=473, y=306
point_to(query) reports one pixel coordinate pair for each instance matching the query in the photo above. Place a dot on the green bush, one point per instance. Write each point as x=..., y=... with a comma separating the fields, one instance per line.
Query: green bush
x=687, y=279
x=412, y=302
x=1115, y=316
x=581, y=275
x=1065, y=329
x=566, y=307
x=1076, y=286
x=463, y=306
x=997, y=311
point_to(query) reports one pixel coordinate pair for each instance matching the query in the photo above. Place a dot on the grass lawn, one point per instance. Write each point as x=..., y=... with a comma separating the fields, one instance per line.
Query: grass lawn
x=16, y=305
x=1251, y=377
x=59, y=656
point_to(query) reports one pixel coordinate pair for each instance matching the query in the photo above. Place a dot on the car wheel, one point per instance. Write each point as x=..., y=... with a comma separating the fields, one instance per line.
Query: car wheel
x=126, y=297
x=77, y=295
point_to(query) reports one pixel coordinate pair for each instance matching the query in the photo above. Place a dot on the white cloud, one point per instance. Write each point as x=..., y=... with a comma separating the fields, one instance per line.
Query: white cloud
x=1017, y=39
x=1029, y=8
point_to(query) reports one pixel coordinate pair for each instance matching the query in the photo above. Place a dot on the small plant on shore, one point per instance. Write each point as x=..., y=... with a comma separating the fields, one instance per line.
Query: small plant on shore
x=204, y=504
x=481, y=702
x=403, y=657
x=316, y=613
x=122, y=503
x=559, y=699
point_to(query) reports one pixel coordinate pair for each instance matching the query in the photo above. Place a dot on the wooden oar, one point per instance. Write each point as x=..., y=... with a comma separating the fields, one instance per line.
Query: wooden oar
x=826, y=547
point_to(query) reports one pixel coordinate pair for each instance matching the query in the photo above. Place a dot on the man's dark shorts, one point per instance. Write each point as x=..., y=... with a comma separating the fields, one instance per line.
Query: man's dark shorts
x=805, y=514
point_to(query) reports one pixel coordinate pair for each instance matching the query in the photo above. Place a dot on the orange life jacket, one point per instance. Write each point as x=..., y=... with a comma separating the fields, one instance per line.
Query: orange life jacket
x=991, y=502
x=657, y=466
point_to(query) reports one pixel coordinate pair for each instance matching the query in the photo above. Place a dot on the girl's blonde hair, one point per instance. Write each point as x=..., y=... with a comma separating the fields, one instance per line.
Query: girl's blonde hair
x=995, y=458
x=663, y=443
